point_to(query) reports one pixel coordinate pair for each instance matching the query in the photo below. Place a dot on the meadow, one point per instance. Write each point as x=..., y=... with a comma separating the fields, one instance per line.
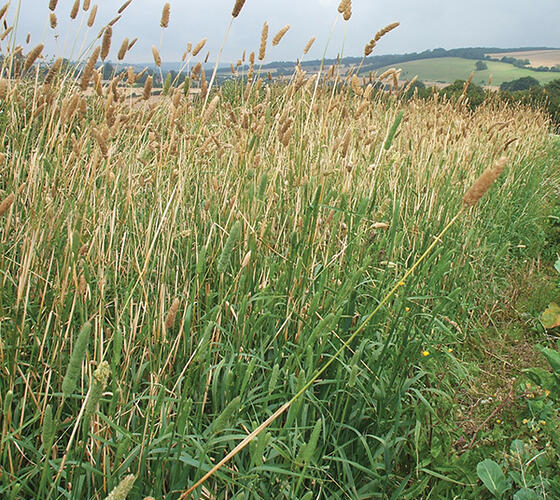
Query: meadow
x=272, y=289
x=449, y=69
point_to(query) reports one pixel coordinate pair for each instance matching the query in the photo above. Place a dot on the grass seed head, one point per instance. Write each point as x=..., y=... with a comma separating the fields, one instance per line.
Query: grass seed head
x=121, y=491
x=76, y=359
x=52, y=4
x=172, y=314
x=278, y=37
x=32, y=57
x=264, y=38
x=92, y=14
x=237, y=7
x=7, y=203
x=106, y=42
x=309, y=45
x=211, y=109
x=484, y=182
x=86, y=5
x=75, y=9
x=147, y=88
x=54, y=69
x=199, y=46
x=53, y=20
x=123, y=49
x=124, y=6
x=157, y=57
x=164, y=22
x=88, y=70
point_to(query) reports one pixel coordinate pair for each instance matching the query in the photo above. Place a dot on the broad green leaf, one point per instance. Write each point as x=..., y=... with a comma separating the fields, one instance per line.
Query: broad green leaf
x=552, y=356
x=491, y=474
x=517, y=447
x=551, y=316
x=526, y=494
x=557, y=265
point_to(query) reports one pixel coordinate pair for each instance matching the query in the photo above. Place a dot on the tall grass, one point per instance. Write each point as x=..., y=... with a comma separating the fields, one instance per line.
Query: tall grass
x=217, y=256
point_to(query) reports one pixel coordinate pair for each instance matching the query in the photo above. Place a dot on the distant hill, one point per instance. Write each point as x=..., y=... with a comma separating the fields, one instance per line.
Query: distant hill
x=536, y=58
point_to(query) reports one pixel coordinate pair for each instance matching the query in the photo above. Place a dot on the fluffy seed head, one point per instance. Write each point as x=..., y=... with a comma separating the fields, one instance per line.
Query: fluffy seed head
x=483, y=183
x=147, y=88
x=278, y=37
x=124, y=6
x=121, y=491
x=54, y=69
x=6, y=203
x=88, y=70
x=122, y=50
x=32, y=57
x=92, y=14
x=237, y=7
x=198, y=47
x=211, y=109
x=309, y=45
x=345, y=8
x=264, y=38
x=106, y=42
x=164, y=23
x=171, y=314
x=157, y=57
x=75, y=9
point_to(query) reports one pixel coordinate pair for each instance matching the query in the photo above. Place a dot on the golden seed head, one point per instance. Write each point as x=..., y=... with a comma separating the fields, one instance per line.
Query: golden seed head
x=92, y=14
x=54, y=69
x=278, y=37
x=53, y=20
x=122, y=50
x=52, y=4
x=86, y=5
x=106, y=42
x=484, y=182
x=237, y=7
x=75, y=9
x=164, y=23
x=211, y=109
x=198, y=47
x=32, y=57
x=157, y=57
x=264, y=38
x=7, y=203
x=147, y=88
x=124, y=6
x=309, y=45
x=171, y=314
x=88, y=70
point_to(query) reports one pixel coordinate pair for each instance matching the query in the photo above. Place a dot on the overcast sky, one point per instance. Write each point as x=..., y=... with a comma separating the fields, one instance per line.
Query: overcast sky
x=425, y=24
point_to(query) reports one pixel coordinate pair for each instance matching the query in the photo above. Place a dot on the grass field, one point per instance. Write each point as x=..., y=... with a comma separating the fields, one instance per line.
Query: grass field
x=549, y=58
x=298, y=290
x=449, y=69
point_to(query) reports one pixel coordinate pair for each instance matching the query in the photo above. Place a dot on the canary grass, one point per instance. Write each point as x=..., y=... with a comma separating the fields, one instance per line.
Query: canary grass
x=226, y=288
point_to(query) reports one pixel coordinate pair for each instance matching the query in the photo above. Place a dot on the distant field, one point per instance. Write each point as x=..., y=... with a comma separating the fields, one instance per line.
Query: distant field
x=449, y=69
x=537, y=58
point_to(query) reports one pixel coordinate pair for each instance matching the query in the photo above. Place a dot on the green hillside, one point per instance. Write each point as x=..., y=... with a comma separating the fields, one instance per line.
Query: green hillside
x=449, y=69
